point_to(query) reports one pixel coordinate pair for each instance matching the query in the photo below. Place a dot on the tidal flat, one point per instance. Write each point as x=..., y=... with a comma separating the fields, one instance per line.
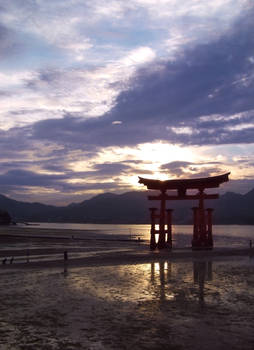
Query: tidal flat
x=181, y=304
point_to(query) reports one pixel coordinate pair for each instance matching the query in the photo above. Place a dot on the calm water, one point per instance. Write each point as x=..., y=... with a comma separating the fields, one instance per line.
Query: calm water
x=224, y=235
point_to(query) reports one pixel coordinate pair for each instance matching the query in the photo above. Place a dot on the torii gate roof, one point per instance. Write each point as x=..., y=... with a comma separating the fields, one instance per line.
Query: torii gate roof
x=199, y=183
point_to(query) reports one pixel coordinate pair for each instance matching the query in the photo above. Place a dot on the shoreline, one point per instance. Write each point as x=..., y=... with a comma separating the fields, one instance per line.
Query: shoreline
x=127, y=257
x=92, y=248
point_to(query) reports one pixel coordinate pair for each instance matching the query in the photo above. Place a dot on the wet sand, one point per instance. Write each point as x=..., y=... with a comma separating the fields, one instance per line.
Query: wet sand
x=119, y=295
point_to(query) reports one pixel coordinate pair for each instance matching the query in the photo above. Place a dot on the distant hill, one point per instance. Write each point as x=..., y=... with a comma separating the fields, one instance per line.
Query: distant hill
x=24, y=211
x=130, y=207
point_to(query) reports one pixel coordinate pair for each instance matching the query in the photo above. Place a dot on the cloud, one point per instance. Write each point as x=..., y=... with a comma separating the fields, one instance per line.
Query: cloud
x=161, y=100
x=112, y=75
x=109, y=169
x=30, y=96
x=99, y=31
x=103, y=176
x=7, y=42
x=165, y=96
x=185, y=169
x=176, y=168
x=13, y=142
x=27, y=178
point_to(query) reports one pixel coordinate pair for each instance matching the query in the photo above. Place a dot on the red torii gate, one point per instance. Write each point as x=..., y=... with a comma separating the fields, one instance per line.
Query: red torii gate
x=202, y=218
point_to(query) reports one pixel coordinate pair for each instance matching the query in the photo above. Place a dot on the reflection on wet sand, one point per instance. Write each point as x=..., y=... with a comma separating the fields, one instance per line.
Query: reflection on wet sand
x=161, y=273
x=202, y=271
x=165, y=270
x=163, y=305
x=65, y=272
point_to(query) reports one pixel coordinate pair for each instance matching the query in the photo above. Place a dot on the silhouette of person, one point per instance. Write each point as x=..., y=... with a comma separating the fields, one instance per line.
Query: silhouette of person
x=65, y=255
x=4, y=261
x=11, y=260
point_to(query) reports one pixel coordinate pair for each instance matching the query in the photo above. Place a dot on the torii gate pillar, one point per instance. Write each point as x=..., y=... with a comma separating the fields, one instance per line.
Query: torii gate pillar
x=152, y=239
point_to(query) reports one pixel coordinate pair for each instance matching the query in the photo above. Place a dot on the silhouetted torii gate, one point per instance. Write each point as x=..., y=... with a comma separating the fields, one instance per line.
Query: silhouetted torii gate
x=202, y=218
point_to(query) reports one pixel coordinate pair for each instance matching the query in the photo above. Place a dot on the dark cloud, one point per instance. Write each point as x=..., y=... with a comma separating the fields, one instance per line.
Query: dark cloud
x=12, y=43
x=57, y=165
x=7, y=44
x=190, y=169
x=46, y=76
x=180, y=90
x=176, y=167
x=16, y=179
x=207, y=172
x=15, y=164
x=19, y=177
x=64, y=194
x=184, y=164
x=21, y=185
x=90, y=134
x=13, y=141
x=135, y=161
x=175, y=164
x=212, y=79
x=108, y=169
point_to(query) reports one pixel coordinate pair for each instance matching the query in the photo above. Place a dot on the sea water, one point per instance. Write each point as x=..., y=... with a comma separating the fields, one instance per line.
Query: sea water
x=224, y=235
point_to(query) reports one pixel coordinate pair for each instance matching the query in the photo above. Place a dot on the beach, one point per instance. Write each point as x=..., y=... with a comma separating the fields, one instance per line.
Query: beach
x=117, y=294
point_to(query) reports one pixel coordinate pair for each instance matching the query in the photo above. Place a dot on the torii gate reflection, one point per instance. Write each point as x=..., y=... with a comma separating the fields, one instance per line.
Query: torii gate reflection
x=202, y=218
x=162, y=272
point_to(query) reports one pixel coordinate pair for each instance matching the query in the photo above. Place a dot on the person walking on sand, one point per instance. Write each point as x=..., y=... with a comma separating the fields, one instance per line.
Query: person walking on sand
x=65, y=255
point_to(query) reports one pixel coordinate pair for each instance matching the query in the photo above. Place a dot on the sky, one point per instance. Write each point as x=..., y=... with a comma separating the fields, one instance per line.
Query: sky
x=95, y=93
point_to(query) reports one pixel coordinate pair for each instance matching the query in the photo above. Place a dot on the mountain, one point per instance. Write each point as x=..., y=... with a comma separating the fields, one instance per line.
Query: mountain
x=24, y=211
x=130, y=207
